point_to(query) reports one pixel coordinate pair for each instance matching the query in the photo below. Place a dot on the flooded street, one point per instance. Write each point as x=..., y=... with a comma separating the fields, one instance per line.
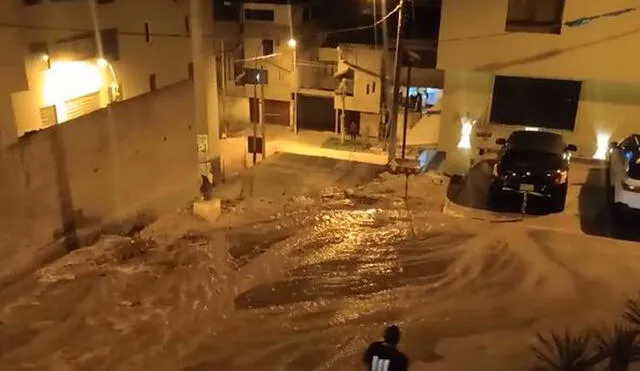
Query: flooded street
x=311, y=286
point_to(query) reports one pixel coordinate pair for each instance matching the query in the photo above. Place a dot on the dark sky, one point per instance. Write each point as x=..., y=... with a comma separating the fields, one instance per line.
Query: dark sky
x=350, y=13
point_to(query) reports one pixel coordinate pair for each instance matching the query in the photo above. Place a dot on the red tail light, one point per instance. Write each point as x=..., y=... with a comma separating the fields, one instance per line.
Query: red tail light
x=559, y=176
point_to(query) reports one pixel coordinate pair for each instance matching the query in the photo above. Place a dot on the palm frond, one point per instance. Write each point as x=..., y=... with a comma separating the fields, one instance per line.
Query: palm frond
x=564, y=352
x=632, y=312
x=620, y=346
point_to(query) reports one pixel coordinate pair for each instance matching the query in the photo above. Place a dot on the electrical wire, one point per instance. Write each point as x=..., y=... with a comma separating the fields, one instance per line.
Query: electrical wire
x=395, y=10
x=152, y=34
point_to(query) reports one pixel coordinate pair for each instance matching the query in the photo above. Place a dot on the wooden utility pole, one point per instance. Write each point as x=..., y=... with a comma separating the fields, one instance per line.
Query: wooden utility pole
x=393, y=120
x=262, y=127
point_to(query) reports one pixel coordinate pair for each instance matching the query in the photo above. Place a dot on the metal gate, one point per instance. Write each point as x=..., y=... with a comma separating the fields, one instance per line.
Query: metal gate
x=48, y=116
x=82, y=105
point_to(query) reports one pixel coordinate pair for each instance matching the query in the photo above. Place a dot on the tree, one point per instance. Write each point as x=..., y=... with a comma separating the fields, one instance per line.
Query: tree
x=613, y=350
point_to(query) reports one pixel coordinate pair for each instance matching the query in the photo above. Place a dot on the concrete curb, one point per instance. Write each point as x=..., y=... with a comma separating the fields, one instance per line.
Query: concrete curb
x=309, y=150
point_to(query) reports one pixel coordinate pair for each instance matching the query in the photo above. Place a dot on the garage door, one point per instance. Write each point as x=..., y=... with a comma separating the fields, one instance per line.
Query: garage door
x=276, y=112
x=316, y=113
x=81, y=106
x=48, y=116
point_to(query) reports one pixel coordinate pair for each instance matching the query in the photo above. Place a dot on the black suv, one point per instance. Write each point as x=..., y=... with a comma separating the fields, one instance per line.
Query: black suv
x=532, y=162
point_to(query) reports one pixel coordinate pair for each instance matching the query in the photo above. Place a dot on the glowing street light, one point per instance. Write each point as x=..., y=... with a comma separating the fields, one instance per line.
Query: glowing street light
x=102, y=62
x=292, y=43
x=45, y=57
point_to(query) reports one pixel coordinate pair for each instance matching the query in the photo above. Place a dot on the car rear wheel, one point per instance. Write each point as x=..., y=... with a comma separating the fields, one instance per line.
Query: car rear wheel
x=558, y=199
x=494, y=196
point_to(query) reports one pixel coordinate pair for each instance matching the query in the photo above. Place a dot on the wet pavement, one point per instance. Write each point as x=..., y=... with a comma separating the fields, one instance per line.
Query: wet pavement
x=309, y=288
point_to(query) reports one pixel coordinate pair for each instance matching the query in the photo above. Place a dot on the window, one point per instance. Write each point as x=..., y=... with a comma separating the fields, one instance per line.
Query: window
x=267, y=47
x=39, y=48
x=152, y=82
x=540, y=16
x=306, y=14
x=110, y=44
x=256, y=76
x=367, y=89
x=259, y=15
x=187, y=26
x=373, y=87
x=544, y=103
x=147, y=35
x=226, y=10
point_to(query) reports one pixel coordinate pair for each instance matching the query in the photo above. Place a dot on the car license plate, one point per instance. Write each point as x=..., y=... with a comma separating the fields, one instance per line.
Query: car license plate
x=527, y=187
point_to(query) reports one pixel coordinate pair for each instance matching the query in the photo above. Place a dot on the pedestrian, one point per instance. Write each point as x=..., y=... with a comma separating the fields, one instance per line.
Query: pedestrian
x=384, y=355
x=419, y=103
x=353, y=130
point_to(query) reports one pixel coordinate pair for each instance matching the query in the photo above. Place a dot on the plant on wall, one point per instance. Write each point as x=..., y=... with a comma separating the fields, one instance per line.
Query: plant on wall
x=614, y=350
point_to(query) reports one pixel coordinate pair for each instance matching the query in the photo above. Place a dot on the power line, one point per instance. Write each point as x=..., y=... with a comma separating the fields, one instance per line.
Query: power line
x=176, y=35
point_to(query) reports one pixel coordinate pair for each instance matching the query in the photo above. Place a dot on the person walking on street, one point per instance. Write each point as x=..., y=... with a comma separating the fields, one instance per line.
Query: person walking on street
x=353, y=130
x=384, y=355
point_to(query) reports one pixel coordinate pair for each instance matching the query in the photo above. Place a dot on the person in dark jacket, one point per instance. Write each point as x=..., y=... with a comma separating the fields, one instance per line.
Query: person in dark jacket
x=384, y=355
x=353, y=130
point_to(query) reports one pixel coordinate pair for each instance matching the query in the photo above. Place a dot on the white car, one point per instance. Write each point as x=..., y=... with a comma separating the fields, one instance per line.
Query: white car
x=624, y=174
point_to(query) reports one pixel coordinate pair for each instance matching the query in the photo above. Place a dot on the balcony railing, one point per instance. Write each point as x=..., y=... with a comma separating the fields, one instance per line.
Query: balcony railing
x=317, y=75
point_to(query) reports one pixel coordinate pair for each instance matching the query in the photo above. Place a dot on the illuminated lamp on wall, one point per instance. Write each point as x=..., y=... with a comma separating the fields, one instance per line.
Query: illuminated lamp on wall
x=531, y=128
x=465, y=134
x=602, y=146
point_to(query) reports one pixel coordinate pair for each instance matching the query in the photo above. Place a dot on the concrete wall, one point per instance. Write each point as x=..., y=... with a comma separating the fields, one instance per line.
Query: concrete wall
x=473, y=37
x=12, y=75
x=606, y=108
x=369, y=123
x=279, y=68
x=138, y=58
x=135, y=155
x=237, y=109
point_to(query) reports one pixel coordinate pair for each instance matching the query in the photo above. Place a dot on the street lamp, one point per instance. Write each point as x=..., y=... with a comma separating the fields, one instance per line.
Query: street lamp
x=293, y=44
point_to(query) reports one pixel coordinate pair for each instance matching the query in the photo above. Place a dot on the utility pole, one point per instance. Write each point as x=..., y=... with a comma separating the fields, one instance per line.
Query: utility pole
x=375, y=21
x=206, y=108
x=384, y=68
x=255, y=124
x=223, y=61
x=393, y=120
x=343, y=90
x=294, y=74
x=262, y=127
x=406, y=107
x=408, y=57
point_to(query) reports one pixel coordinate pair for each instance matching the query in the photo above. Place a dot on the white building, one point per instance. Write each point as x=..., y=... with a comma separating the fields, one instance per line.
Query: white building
x=360, y=66
x=268, y=56
x=53, y=70
x=580, y=81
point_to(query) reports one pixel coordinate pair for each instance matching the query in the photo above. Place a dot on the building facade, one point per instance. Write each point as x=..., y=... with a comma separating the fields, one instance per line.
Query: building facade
x=67, y=60
x=511, y=64
x=277, y=38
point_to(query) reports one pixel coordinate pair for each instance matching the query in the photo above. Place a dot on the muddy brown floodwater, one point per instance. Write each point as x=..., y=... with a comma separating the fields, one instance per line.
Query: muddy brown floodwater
x=309, y=289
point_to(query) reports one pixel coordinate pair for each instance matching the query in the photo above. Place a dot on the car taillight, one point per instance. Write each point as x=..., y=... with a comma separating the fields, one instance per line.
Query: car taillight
x=560, y=176
x=629, y=187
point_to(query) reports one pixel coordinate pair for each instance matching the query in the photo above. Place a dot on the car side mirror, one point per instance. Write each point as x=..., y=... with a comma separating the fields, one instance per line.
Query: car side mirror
x=613, y=145
x=501, y=141
x=572, y=148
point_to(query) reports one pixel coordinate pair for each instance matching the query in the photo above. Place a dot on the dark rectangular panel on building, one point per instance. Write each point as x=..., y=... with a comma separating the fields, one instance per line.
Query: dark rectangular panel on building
x=543, y=103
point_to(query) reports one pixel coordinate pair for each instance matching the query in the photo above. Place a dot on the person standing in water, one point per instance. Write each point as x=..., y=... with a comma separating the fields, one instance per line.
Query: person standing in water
x=384, y=355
